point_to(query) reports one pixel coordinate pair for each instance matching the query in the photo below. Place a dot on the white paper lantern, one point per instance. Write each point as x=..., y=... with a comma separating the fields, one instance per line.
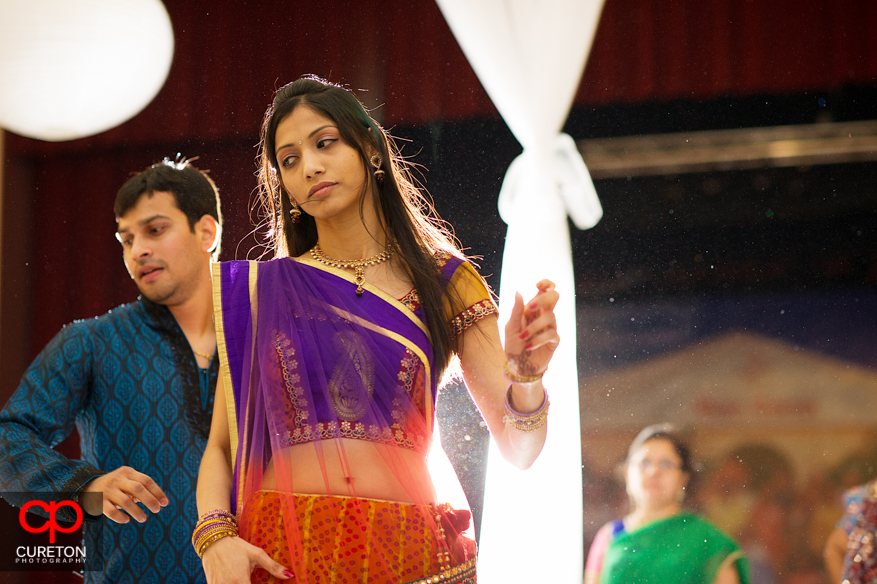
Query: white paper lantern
x=74, y=68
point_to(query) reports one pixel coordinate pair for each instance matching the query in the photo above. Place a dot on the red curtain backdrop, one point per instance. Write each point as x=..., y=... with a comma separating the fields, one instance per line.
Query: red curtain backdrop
x=61, y=261
x=650, y=50
x=231, y=55
x=59, y=251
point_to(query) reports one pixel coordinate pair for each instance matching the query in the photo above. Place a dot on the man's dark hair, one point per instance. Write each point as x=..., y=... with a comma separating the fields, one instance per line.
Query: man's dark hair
x=195, y=193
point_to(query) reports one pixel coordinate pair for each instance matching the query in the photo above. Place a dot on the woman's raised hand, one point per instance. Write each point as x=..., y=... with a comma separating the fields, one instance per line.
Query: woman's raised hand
x=531, y=333
x=231, y=560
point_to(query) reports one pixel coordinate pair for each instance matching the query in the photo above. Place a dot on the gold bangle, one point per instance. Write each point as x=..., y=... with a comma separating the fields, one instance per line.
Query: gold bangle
x=520, y=378
x=214, y=538
x=528, y=426
x=213, y=526
x=526, y=422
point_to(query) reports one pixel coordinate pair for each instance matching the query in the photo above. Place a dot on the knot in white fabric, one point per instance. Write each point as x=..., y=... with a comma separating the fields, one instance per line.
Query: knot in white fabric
x=544, y=184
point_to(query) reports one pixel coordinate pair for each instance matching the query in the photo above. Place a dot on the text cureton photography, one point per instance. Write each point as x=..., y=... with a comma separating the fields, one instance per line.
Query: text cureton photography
x=45, y=534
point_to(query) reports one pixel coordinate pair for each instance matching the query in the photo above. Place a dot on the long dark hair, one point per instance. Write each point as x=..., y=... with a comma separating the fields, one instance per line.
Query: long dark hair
x=407, y=217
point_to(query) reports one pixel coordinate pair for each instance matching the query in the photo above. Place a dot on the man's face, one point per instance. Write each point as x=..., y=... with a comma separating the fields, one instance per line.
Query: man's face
x=164, y=257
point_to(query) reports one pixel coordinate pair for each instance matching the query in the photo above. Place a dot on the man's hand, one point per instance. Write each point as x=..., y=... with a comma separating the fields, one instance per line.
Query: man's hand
x=122, y=489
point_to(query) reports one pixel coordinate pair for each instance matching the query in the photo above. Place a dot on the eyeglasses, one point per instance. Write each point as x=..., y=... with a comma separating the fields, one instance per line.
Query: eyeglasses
x=663, y=465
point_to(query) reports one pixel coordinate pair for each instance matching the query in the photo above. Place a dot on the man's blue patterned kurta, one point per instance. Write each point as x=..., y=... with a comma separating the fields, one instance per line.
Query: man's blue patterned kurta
x=130, y=383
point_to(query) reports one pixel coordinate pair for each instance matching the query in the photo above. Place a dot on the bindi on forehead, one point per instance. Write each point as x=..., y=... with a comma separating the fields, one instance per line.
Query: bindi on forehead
x=309, y=136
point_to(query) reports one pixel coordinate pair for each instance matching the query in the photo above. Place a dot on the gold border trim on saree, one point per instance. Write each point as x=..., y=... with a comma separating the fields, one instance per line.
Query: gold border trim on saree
x=461, y=574
x=394, y=302
x=224, y=371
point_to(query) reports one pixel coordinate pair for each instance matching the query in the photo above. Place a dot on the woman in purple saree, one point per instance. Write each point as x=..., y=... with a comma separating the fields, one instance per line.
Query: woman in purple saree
x=316, y=468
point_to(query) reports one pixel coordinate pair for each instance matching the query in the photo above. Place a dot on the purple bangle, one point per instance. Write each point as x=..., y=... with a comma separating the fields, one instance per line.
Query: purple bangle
x=208, y=529
x=211, y=526
x=526, y=422
x=216, y=513
x=203, y=538
x=514, y=412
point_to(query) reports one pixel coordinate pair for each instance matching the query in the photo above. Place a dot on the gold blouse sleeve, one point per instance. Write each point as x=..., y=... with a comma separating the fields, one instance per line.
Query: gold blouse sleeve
x=467, y=299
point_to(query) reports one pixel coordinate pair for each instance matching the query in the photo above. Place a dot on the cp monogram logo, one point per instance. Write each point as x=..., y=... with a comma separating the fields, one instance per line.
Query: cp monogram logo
x=51, y=524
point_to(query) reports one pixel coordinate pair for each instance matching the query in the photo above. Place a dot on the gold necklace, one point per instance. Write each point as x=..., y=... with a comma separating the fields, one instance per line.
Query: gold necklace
x=357, y=265
x=205, y=355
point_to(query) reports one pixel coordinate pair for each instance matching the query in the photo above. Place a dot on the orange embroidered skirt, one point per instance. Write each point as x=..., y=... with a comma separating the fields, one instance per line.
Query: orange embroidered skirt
x=347, y=540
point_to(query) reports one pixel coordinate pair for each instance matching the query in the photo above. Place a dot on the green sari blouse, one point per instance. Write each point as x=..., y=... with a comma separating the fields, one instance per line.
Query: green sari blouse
x=683, y=549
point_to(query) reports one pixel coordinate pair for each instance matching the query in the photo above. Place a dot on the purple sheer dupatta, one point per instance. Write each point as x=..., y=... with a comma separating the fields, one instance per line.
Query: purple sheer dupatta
x=305, y=361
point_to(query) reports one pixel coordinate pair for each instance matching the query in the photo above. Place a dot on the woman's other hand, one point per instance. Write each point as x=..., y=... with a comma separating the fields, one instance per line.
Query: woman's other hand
x=231, y=560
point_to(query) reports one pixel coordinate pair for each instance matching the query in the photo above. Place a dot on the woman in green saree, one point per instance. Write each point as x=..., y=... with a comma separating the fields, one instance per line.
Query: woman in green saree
x=658, y=543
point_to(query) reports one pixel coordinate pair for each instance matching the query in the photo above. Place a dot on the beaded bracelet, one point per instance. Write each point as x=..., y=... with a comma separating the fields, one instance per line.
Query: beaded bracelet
x=526, y=422
x=520, y=378
x=213, y=526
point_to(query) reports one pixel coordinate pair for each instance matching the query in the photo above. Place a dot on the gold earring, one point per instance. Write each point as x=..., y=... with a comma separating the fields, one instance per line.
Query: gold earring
x=295, y=212
x=377, y=161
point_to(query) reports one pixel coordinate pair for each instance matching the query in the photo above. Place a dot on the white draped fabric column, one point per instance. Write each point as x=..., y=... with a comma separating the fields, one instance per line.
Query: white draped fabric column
x=530, y=55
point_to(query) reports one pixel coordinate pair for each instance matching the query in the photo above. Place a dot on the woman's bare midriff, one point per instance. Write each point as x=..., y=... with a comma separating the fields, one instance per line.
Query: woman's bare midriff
x=354, y=468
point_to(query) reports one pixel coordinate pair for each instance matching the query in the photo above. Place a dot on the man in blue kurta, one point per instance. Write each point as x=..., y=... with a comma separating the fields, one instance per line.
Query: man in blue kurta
x=138, y=385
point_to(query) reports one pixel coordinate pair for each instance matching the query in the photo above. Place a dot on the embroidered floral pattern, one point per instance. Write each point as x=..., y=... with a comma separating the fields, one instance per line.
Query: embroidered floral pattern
x=352, y=383
x=472, y=315
x=405, y=404
x=354, y=431
x=411, y=300
x=295, y=404
x=403, y=431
